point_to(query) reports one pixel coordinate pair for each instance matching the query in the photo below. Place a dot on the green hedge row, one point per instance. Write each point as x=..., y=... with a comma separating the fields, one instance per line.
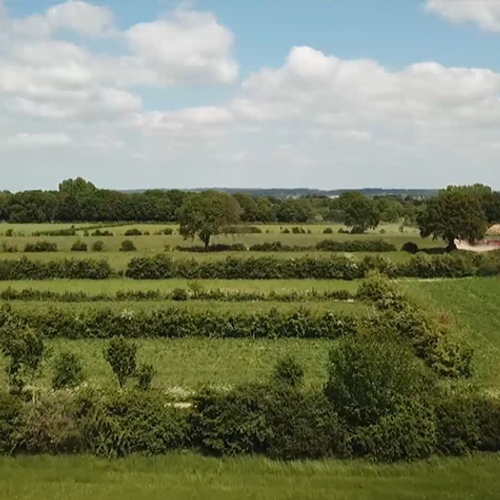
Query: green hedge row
x=174, y=322
x=25, y=269
x=279, y=423
x=455, y=265
x=278, y=246
x=162, y=266
x=178, y=294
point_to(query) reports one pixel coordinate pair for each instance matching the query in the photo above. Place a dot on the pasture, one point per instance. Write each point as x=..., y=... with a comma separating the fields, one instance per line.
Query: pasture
x=191, y=477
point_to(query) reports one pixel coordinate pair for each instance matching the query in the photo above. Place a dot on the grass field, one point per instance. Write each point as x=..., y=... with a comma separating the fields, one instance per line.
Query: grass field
x=116, y=285
x=192, y=477
x=473, y=307
x=186, y=364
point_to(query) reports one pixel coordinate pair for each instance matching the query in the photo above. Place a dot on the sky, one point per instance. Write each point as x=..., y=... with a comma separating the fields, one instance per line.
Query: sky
x=329, y=94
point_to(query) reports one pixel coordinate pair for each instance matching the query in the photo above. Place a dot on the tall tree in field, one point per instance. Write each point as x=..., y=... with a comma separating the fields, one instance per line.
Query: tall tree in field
x=207, y=214
x=360, y=212
x=454, y=213
x=248, y=205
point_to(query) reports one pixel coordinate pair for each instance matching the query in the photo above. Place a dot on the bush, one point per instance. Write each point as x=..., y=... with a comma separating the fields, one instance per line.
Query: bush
x=98, y=232
x=288, y=373
x=145, y=374
x=6, y=248
x=79, y=246
x=231, y=423
x=327, y=230
x=133, y=232
x=355, y=246
x=137, y=422
x=98, y=246
x=10, y=409
x=408, y=434
x=298, y=230
x=369, y=379
x=121, y=355
x=303, y=426
x=410, y=247
x=343, y=231
x=24, y=350
x=41, y=246
x=68, y=371
x=49, y=425
x=168, y=231
x=9, y=233
x=242, y=230
x=180, y=294
x=127, y=246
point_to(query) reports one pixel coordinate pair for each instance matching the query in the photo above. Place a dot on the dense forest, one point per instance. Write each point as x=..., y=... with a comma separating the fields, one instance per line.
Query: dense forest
x=77, y=200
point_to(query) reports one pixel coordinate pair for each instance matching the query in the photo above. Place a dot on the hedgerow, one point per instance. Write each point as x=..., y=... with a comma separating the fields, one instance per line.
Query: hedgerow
x=174, y=322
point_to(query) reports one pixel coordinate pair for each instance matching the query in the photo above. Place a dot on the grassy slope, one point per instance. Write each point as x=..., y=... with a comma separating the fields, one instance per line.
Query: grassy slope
x=190, y=363
x=473, y=305
x=186, y=476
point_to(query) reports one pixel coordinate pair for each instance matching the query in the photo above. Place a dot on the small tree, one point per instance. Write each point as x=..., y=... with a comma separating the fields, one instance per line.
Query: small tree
x=360, y=212
x=25, y=350
x=121, y=355
x=145, y=374
x=454, y=213
x=127, y=246
x=207, y=214
x=68, y=371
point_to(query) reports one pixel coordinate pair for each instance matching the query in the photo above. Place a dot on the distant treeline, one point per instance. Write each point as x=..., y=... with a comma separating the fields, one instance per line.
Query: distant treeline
x=80, y=201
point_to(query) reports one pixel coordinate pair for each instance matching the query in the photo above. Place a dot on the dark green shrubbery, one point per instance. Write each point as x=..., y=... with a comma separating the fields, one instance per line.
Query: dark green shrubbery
x=68, y=371
x=127, y=246
x=41, y=246
x=25, y=269
x=79, y=246
x=98, y=246
x=410, y=247
x=121, y=356
x=133, y=232
x=328, y=230
x=174, y=322
x=126, y=423
x=10, y=410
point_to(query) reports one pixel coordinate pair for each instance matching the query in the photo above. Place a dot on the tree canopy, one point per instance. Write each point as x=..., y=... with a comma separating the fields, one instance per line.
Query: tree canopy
x=360, y=212
x=456, y=212
x=207, y=214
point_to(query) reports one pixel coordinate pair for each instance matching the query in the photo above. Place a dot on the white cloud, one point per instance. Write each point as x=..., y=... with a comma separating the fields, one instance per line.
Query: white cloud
x=189, y=46
x=79, y=17
x=484, y=13
x=41, y=140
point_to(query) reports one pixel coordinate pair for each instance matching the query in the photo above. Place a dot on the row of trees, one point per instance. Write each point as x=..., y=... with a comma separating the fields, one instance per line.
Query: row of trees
x=80, y=201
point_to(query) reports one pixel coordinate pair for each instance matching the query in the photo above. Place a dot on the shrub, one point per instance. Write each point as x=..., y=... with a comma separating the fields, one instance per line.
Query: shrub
x=407, y=434
x=133, y=232
x=369, y=379
x=79, y=246
x=98, y=246
x=25, y=350
x=168, y=231
x=41, y=246
x=410, y=247
x=242, y=230
x=121, y=355
x=9, y=233
x=355, y=246
x=342, y=231
x=137, y=422
x=288, y=373
x=10, y=409
x=6, y=248
x=303, y=426
x=327, y=230
x=98, y=232
x=145, y=374
x=231, y=423
x=180, y=294
x=68, y=371
x=286, y=231
x=298, y=230
x=127, y=246
x=49, y=425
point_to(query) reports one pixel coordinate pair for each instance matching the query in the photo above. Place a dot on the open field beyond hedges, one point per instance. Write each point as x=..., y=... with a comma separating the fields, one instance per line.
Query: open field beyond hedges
x=191, y=477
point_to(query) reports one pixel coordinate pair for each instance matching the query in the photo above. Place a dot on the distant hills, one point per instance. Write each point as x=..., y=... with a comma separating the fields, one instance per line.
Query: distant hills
x=293, y=192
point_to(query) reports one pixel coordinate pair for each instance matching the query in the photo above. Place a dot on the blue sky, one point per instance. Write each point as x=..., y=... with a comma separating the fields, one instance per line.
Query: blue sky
x=315, y=93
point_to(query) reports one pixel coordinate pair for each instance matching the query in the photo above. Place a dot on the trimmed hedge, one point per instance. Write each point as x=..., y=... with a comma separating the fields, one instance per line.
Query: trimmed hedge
x=26, y=269
x=177, y=322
